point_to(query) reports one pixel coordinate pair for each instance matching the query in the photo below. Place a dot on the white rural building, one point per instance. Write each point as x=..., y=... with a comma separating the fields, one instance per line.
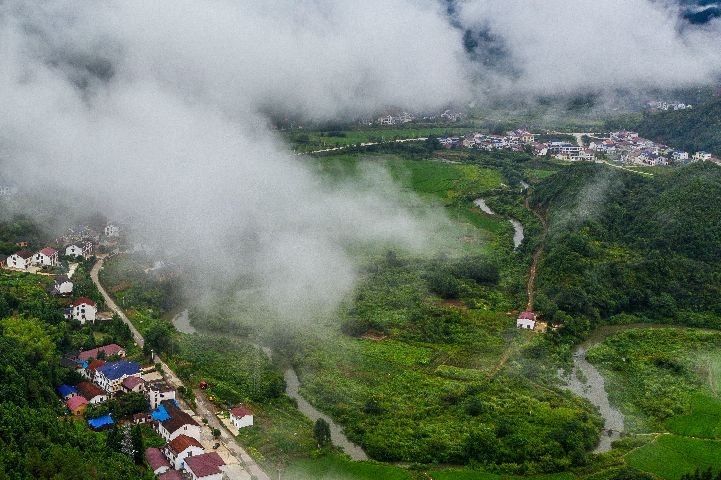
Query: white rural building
x=526, y=320
x=20, y=260
x=84, y=310
x=47, y=257
x=241, y=417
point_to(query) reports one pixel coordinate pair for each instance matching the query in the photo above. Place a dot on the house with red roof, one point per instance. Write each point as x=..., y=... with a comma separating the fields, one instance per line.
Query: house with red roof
x=181, y=448
x=157, y=461
x=171, y=475
x=526, y=320
x=91, y=392
x=106, y=350
x=77, y=405
x=133, y=384
x=241, y=417
x=205, y=467
x=84, y=310
x=92, y=368
x=20, y=260
x=47, y=257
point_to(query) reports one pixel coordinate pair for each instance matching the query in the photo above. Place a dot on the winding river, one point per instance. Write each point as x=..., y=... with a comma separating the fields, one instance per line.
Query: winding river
x=181, y=322
x=592, y=387
x=336, y=432
x=517, y=226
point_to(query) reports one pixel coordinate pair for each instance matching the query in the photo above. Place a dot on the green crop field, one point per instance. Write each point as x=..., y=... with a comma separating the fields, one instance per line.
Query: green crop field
x=307, y=140
x=703, y=419
x=670, y=456
x=335, y=467
x=470, y=474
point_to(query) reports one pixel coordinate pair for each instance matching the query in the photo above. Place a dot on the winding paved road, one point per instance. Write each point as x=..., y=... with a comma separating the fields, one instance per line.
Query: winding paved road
x=204, y=407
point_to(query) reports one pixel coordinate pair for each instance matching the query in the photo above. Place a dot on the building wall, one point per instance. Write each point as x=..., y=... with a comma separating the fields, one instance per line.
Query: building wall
x=525, y=323
x=246, y=421
x=188, y=430
x=155, y=397
x=84, y=313
x=14, y=261
x=178, y=462
x=42, y=259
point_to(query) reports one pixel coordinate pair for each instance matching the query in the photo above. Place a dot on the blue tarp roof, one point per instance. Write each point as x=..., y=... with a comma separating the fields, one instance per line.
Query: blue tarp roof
x=160, y=414
x=100, y=422
x=115, y=370
x=65, y=390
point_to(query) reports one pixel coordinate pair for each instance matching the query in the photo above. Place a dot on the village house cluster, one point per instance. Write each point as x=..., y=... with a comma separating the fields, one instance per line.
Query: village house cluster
x=405, y=117
x=622, y=146
x=666, y=106
x=629, y=148
x=188, y=452
x=76, y=244
x=518, y=141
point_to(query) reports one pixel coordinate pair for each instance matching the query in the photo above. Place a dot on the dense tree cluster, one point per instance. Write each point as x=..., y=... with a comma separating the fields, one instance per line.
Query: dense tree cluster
x=38, y=440
x=624, y=247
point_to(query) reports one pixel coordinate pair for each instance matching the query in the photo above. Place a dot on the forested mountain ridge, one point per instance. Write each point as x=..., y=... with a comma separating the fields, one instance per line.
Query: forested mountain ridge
x=621, y=243
x=698, y=129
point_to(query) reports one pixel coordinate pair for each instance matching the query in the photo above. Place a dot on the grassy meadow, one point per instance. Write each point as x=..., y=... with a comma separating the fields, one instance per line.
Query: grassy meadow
x=664, y=380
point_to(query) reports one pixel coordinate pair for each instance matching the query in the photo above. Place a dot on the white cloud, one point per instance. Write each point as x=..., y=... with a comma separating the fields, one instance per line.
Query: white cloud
x=562, y=47
x=152, y=109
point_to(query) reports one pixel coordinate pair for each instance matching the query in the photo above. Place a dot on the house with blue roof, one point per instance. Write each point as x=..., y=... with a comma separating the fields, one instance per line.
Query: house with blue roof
x=111, y=375
x=101, y=423
x=67, y=392
x=160, y=414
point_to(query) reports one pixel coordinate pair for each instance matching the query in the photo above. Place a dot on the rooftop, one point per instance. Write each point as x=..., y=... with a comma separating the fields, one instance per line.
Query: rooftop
x=116, y=370
x=240, y=411
x=75, y=402
x=132, y=382
x=110, y=350
x=100, y=422
x=89, y=390
x=171, y=475
x=204, y=465
x=65, y=390
x=155, y=458
x=527, y=316
x=177, y=420
x=83, y=300
x=182, y=442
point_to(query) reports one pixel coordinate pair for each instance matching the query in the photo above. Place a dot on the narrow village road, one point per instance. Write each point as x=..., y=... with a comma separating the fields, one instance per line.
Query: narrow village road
x=363, y=144
x=204, y=407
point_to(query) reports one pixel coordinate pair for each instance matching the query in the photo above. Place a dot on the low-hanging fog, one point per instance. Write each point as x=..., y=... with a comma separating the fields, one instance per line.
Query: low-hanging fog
x=157, y=110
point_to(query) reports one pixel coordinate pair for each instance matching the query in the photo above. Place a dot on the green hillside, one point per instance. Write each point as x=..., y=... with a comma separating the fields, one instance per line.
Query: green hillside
x=622, y=244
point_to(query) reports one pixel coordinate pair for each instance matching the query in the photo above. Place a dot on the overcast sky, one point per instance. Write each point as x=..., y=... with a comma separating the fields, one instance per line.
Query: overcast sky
x=157, y=109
